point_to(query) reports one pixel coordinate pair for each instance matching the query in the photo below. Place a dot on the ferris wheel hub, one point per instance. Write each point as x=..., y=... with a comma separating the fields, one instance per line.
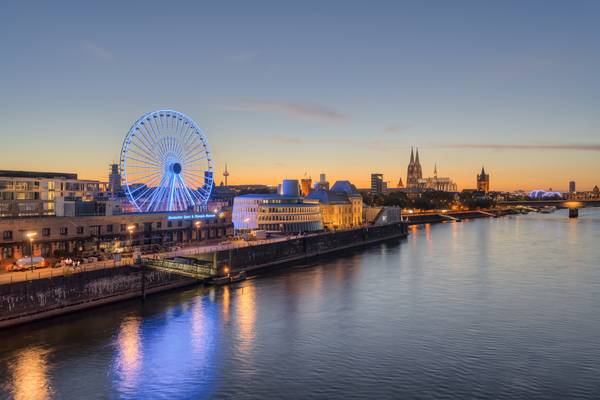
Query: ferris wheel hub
x=176, y=168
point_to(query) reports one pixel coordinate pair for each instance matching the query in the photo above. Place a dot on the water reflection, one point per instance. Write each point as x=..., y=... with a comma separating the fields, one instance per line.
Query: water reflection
x=245, y=315
x=129, y=357
x=29, y=375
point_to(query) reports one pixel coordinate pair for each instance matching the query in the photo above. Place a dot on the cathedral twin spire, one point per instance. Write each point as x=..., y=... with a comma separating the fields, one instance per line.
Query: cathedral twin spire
x=415, y=171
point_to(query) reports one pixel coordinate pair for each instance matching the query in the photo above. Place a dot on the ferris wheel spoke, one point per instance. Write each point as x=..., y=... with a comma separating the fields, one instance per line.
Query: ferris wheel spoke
x=189, y=137
x=146, y=178
x=187, y=191
x=146, y=157
x=156, y=196
x=185, y=132
x=149, y=135
x=141, y=146
x=199, y=156
x=159, y=137
x=144, y=162
x=147, y=139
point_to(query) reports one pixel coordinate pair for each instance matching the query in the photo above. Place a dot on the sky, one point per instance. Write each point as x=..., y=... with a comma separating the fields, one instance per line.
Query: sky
x=284, y=89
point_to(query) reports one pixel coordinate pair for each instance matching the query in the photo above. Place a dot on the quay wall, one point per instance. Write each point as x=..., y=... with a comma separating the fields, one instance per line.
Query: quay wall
x=29, y=301
x=304, y=247
x=434, y=218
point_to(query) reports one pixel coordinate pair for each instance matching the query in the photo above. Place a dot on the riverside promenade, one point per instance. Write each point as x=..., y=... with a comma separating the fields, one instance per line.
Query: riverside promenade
x=31, y=300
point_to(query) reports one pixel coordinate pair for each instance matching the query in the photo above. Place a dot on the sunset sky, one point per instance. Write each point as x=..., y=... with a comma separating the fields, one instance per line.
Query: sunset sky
x=287, y=88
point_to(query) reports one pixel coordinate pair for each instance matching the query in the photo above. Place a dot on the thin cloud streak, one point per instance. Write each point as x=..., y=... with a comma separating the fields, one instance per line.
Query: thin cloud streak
x=385, y=144
x=497, y=146
x=96, y=51
x=302, y=110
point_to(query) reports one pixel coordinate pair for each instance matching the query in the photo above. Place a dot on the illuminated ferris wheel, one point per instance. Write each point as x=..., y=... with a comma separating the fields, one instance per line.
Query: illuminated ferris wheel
x=166, y=163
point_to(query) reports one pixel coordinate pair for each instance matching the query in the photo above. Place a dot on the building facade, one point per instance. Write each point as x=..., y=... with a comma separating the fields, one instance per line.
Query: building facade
x=305, y=186
x=572, y=187
x=93, y=235
x=483, y=181
x=275, y=212
x=376, y=183
x=28, y=194
x=341, y=207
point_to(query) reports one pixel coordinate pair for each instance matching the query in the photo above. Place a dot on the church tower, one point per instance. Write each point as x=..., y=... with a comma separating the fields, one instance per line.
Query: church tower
x=414, y=172
x=483, y=181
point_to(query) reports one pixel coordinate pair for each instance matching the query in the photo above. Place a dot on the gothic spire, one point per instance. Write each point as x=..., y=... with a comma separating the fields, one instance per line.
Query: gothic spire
x=435, y=170
x=417, y=157
x=412, y=156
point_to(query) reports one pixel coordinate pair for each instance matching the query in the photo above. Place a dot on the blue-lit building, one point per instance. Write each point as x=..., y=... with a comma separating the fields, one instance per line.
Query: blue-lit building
x=282, y=212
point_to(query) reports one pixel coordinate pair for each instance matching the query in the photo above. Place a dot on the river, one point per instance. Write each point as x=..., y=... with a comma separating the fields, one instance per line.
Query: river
x=501, y=308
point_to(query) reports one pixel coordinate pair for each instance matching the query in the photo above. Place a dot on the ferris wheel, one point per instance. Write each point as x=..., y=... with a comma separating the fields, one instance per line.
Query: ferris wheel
x=166, y=163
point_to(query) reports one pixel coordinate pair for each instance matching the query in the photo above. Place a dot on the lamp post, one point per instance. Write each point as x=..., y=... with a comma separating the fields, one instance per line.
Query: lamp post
x=198, y=224
x=30, y=236
x=131, y=229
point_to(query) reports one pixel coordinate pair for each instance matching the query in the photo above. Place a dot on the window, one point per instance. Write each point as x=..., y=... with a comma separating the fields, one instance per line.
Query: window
x=7, y=235
x=80, y=230
x=169, y=224
x=123, y=227
x=46, y=232
x=180, y=223
x=64, y=230
x=95, y=230
x=109, y=228
x=158, y=225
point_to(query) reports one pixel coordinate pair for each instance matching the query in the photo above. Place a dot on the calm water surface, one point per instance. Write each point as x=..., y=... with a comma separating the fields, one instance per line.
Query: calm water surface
x=506, y=308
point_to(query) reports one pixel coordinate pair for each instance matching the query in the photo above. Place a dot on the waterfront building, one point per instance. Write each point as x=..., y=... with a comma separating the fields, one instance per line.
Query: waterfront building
x=290, y=188
x=375, y=215
x=305, y=186
x=572, y=188
x=323, y=184
x=483, y=181
x=102, y=235
x=414, y=171
x=27, y=194
x=376, y=183
x=285, y=211
x=596, y=191
x=341, y=207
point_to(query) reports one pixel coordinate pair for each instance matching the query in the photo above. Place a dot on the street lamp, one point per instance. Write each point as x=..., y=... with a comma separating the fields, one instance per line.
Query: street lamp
x=30, y=236
x=131, y=229
x=198, y=224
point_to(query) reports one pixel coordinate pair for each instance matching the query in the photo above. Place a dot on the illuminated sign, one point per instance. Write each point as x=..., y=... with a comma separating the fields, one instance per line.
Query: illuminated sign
x=190, y=216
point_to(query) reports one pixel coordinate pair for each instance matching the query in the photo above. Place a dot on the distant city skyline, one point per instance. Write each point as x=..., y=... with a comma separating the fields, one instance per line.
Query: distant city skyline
x=287, y=89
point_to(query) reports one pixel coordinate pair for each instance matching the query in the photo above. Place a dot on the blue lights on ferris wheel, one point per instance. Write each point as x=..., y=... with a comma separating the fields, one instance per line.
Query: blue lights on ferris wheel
x=166, y=163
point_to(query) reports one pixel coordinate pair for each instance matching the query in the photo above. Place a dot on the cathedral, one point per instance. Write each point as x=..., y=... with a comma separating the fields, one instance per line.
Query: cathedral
x=416, y=183
x=415, y=173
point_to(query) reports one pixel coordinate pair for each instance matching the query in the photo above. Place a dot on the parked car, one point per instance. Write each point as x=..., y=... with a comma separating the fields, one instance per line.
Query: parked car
x=23, y=264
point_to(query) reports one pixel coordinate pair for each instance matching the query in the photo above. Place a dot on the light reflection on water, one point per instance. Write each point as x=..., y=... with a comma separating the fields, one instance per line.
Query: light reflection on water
x=504, y=308
x=29, y=374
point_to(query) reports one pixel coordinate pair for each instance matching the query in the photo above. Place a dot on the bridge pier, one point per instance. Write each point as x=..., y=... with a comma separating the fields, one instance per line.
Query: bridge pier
x=573, y=212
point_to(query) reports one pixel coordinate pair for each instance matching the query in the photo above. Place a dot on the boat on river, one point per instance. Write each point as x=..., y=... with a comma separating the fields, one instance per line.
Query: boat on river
x=547, y=209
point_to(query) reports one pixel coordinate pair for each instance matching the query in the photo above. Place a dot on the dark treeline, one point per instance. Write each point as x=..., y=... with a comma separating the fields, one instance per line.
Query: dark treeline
x=429, y=200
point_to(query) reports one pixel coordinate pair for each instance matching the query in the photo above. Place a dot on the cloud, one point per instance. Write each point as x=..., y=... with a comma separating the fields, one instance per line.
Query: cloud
x=94, y=50
x=519, y=146
x=395, y=128
x=301, y=110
